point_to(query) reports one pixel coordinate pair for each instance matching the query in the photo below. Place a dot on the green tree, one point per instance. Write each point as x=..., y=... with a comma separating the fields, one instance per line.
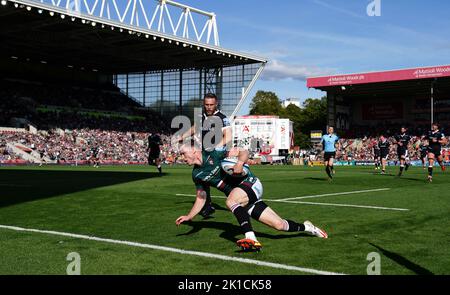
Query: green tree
x=265, y=103
x=311, y=116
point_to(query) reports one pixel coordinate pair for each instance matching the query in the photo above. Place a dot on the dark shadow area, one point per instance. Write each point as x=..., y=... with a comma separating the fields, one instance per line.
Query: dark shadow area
x=417, y=269
x=233, y=232
x=219, y=207
x=215, y=205
x=19, y=186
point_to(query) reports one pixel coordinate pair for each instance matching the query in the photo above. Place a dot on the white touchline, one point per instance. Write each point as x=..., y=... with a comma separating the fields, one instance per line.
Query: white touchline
x=175, y=250
x=335, y=194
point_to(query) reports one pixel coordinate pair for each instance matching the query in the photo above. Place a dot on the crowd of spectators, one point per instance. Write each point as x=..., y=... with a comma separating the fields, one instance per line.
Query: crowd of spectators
x=82, y=145
x=6, y=154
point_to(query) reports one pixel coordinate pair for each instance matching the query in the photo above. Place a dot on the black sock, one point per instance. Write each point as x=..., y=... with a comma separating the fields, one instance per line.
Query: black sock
x=292, y=226
x=401, y=169
x=328, y=172
x=242, y=217
x=332, y=168
x=430, y=171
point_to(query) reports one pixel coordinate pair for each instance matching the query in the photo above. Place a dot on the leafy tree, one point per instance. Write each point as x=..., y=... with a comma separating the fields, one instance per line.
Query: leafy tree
x=311, y=116
x=265, y=103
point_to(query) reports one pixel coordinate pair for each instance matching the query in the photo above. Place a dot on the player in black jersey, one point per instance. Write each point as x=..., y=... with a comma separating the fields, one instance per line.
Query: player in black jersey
x=402, y=140
x=423, y=150
x=383, y=145
x=94, y=156
x=154, y=151
x=436, y=139
x=376, y=154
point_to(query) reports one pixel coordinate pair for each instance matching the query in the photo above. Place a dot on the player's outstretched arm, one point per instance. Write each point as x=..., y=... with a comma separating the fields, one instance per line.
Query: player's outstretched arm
x=196, y=208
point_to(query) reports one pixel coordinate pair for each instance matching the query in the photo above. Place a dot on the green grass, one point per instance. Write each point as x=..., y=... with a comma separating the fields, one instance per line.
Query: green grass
x=134, y=204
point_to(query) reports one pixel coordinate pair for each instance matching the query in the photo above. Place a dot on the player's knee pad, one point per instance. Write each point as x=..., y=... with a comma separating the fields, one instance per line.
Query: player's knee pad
x=257, y=209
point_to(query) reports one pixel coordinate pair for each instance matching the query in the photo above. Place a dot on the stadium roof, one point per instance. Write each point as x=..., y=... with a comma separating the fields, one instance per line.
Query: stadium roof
x=402, y=78
x=35, y=31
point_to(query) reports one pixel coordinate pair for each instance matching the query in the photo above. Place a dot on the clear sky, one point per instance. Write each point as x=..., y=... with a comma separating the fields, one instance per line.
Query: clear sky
x=303, y=38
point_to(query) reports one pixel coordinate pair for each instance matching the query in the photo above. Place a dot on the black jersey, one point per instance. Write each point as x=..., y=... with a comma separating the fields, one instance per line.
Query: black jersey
x=423, y=148
x=94, y=151
x=433, y=139
x=384, y=146
x=376, y=149
x=404, y=139
x=153, y=143
x=205, y=129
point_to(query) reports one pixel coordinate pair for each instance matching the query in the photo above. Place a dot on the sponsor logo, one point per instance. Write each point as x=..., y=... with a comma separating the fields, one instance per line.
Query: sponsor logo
x=349, y=79
x=432, y=72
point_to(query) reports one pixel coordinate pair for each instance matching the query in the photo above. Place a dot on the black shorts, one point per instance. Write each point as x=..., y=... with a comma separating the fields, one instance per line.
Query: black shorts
x=435, y=151
x=402, y=153
x=423, y=154
x=376, y=154
x=153, y=155
x=329, y=155
x=384, y=155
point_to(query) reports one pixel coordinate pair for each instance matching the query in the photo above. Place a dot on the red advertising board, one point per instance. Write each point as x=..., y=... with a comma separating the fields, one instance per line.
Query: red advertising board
x=382, y=111
x=375, y=77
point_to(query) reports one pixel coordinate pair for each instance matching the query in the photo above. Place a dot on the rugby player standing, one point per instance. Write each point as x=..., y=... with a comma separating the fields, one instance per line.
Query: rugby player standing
x=383, y=145
x=423, y=150
x=210, y=115
x=154, y=151
x=436, y=139
x=329, y=142
x=376, y=154
x=402, y=140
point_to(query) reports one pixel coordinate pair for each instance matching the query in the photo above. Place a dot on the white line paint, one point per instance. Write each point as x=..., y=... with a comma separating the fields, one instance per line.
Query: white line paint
x=313, y=203
x=336, y=194
x=174, y=250
x=341, y=205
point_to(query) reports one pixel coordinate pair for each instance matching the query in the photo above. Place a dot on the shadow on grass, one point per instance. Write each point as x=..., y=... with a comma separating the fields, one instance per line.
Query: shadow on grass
x=215, y=205
x=19, y=186
x=233, y=232
x=417, y=269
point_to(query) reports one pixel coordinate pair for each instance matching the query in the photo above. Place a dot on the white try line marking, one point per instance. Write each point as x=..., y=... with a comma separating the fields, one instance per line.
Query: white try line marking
x=174, y=250
x=336, y=194
x=341, y=205
x=313, y=203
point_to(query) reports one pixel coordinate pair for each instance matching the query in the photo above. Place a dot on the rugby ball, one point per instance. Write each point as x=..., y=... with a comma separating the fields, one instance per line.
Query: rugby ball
x=227, y=165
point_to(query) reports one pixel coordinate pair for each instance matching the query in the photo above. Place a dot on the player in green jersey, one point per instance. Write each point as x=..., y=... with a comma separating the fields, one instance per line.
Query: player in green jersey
x=244, y=194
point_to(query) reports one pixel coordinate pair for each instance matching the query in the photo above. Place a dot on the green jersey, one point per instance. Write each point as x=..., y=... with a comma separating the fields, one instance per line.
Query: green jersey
x=210, y=173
